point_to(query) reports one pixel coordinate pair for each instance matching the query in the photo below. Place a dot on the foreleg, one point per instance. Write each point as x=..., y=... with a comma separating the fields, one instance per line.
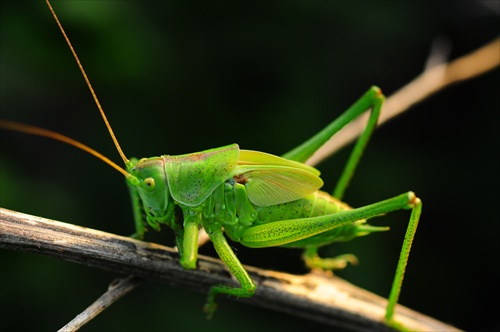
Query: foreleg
x=229, y=258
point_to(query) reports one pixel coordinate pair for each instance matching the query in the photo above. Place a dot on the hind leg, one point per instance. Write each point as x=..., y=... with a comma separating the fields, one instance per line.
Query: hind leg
x=314, y=261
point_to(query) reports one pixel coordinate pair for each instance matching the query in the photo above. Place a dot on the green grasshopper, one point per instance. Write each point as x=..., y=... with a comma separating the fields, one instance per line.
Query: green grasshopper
x=254, y=198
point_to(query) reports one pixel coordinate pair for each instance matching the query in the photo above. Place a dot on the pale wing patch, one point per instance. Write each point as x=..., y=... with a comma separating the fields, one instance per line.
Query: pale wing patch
x=270, y=185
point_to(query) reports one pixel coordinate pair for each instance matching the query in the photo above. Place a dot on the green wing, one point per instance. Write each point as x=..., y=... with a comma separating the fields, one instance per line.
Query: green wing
x=272, y=180
x=193, y=177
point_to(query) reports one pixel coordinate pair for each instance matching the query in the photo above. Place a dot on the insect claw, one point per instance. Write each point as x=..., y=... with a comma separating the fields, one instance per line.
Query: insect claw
x=209, y=309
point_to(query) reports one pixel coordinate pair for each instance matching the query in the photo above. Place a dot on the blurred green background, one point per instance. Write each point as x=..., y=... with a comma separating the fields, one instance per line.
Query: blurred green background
x=179, y=77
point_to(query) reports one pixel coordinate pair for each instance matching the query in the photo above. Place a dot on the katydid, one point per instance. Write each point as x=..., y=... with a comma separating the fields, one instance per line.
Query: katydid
x=254, y=198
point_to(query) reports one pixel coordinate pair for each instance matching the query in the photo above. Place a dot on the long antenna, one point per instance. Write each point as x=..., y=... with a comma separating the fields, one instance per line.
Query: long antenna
x=24, y=128
x=122, y=155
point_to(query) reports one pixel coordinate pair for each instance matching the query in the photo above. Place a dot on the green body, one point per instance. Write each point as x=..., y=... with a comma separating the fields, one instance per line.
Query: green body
x=214, y=184
x=262, y=200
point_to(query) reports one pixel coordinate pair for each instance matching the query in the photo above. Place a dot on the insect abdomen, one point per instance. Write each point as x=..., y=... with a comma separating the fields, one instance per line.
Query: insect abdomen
x=316, y=204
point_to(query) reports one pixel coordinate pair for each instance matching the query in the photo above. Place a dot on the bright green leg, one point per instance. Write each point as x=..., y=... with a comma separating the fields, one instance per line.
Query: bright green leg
x=401, y=267
x=313, y=261
x=373, y=99
x=287, y=231
x=304, y=151
x=311, y=258
x=227, y=255
x=359, y=148
x=189, y=252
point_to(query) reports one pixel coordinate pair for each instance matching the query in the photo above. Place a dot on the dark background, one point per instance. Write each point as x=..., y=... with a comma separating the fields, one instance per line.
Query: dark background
x=179, y=77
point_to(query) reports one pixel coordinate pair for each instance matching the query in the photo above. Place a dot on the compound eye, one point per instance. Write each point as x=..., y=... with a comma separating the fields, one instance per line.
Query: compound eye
x=149, y=184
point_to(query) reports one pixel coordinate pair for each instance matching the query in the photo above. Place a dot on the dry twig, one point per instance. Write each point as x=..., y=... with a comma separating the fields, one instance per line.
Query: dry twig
x=117, y=289
x=330, y=300
x=433, y=79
